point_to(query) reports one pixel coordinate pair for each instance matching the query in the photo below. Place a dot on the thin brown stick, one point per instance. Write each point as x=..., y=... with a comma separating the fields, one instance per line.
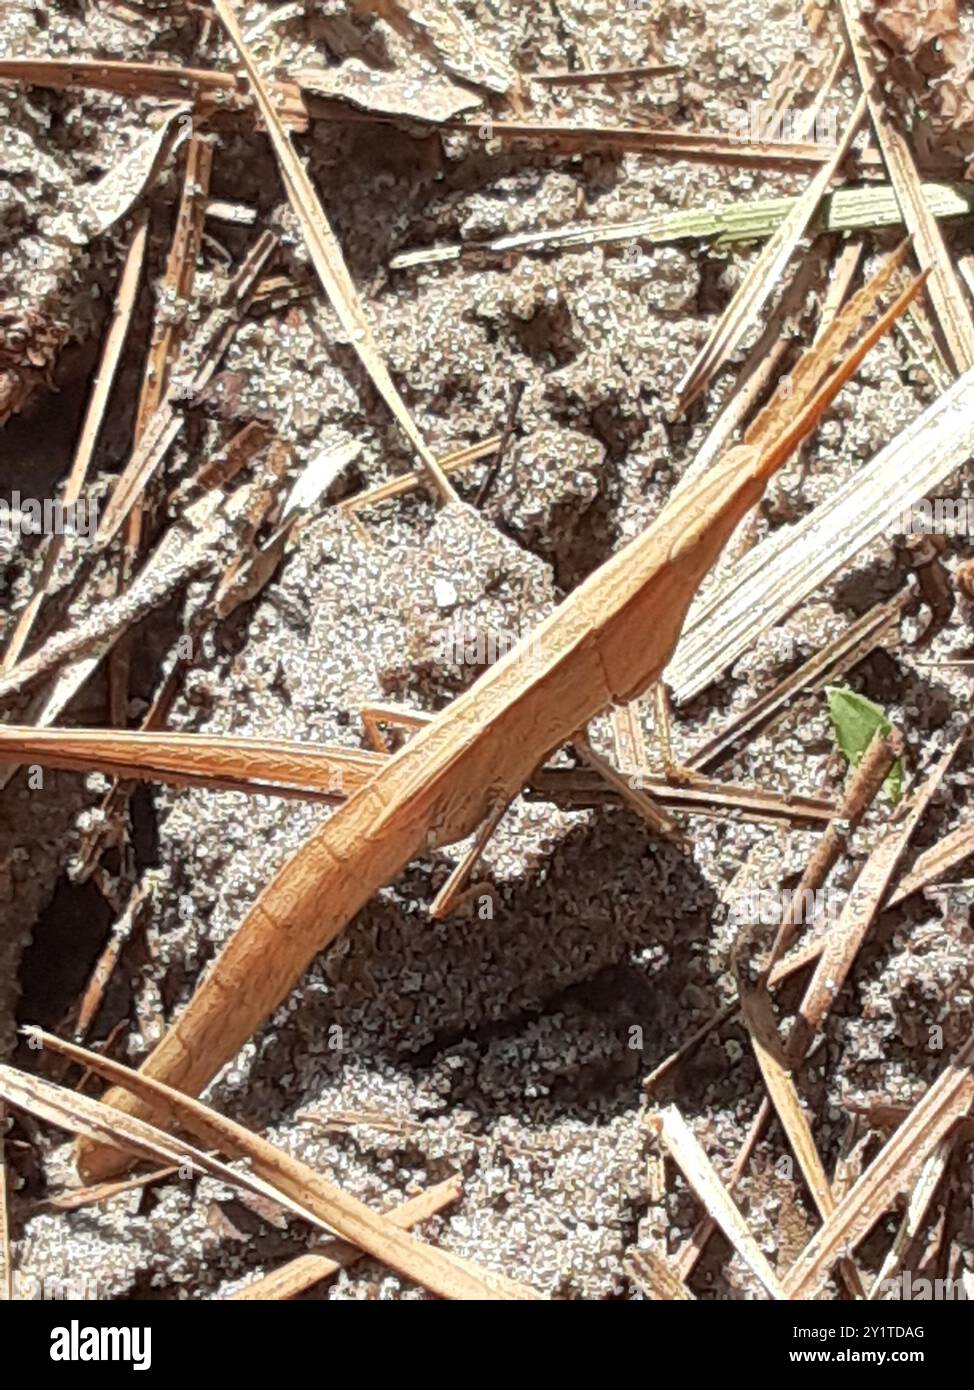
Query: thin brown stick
x=945, y=291
x=329, y=262
x=125, y=299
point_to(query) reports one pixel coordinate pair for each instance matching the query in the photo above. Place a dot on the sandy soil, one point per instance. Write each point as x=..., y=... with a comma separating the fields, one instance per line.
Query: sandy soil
x=512, y=1050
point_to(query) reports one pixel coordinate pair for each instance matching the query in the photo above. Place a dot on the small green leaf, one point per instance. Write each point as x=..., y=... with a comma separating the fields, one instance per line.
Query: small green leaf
x=856, y=721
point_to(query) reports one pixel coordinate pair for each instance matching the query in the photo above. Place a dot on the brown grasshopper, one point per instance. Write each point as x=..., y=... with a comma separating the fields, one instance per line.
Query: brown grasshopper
x=604, y=645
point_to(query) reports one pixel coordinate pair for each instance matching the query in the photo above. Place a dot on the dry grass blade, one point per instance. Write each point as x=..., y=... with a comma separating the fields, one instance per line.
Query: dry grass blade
x=481, y=749
x=305, y=1271
x=689, y=1156
x=125, y=298
x=177, y=285
x=293, y=1184
x=931, y=1176
x=939, y=859
x=885, y=1115
x=894, y=1170
x=79, y=1114
x=764, y=274
x=764, y=364
x=395, y=487
x=760, y=1021
x=326, y=254
x=946, y=294
x=863, y=787
x=781, y=571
